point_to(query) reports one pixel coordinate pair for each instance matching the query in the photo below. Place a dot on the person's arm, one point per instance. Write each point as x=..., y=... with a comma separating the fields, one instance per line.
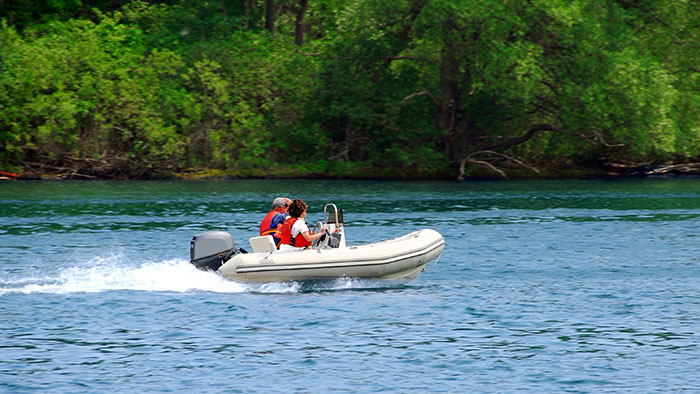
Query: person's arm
x=277, y=220
x=311, y=237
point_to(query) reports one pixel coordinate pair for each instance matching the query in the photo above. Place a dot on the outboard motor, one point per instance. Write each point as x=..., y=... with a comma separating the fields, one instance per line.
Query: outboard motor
x=211, y=249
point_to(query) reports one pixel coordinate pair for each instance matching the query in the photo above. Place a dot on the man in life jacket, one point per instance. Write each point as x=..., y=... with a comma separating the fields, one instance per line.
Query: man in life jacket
x=274, y=219
x=295, y=233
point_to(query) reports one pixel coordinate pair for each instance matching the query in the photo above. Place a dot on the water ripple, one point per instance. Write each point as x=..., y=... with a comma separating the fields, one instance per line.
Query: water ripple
x=552, y=286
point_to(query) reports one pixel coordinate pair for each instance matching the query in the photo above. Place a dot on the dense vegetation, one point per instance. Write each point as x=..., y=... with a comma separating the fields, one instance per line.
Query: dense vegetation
x=347, y=87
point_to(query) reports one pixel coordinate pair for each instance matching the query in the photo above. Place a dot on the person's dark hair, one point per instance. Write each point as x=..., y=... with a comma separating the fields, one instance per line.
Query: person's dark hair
x=297, y=208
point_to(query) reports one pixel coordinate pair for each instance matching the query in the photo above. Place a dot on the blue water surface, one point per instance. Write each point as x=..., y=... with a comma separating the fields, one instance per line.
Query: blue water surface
x=578, y=286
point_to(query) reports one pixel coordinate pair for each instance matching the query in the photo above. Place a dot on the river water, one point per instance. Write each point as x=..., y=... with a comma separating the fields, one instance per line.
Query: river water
x=578, y=286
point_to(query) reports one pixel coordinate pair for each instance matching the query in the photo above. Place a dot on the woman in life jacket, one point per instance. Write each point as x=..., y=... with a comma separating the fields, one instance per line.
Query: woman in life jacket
x=295, y=233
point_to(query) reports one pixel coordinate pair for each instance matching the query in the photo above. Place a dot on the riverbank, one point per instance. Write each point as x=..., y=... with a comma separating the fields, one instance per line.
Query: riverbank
x=359, y=172
x=289, y=172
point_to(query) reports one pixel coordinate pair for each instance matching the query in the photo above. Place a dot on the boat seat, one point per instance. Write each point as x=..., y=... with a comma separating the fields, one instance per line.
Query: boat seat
x=264, y=244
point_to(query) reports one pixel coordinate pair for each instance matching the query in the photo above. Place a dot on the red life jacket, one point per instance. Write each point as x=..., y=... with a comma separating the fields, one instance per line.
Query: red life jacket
x=265, y=225
x=286, y=235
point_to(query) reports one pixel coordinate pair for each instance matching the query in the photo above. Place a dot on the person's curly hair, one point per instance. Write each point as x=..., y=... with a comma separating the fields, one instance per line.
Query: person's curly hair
x=297, y=208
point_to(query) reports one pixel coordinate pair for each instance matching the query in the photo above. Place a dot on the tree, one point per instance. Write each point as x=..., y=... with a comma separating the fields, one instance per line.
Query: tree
x=543, y=67
x=417, y=85
x=299, y=24
x=270, y=14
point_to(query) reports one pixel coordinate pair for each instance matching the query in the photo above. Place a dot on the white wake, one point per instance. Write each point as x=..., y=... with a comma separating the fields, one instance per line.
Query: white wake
x=177, y=275
x=106, y=274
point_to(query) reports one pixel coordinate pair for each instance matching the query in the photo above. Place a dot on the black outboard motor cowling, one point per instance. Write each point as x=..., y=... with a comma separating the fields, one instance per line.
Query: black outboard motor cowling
x=211, y=249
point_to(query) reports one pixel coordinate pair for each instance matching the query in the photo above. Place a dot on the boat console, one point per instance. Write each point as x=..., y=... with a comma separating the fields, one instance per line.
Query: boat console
x=333, y=223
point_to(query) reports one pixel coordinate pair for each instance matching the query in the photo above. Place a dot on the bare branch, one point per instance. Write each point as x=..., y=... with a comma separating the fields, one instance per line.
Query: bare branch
x=689, y=168
x=512, y=140
x=599, y=137
x=463, y=167
x=422, y=93
x=503, y=156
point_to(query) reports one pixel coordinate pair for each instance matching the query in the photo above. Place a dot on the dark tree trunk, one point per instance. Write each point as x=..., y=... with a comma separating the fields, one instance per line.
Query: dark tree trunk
x=301, y=17
x=270, y=14
x=223, y=8
x=224, y=12
x=251, y=15
x=246, y=14
x=449, y=90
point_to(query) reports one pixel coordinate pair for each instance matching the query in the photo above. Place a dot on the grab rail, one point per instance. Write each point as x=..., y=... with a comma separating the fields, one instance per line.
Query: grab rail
x=325, y=213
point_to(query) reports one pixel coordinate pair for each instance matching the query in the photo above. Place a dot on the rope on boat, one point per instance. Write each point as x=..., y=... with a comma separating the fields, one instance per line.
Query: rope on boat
x=431, y=266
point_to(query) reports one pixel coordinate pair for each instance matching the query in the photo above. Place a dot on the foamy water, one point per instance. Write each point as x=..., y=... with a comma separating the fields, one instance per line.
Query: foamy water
x=175, y=275
x=112, y=274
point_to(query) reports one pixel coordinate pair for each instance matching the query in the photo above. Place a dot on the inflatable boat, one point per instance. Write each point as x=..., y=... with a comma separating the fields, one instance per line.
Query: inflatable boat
x=400, y=259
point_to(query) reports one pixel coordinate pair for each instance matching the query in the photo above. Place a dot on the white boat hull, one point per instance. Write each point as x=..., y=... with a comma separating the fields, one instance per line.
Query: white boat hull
x=401, y=258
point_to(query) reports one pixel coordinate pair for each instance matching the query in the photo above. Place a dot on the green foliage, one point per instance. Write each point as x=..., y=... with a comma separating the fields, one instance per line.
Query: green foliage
x=135, y=88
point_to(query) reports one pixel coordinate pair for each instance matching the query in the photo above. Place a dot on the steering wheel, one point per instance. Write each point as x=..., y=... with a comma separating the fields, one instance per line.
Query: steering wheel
x=323, y=241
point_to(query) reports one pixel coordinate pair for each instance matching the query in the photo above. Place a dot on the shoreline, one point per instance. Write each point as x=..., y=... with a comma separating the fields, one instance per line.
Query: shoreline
x=385, y=174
